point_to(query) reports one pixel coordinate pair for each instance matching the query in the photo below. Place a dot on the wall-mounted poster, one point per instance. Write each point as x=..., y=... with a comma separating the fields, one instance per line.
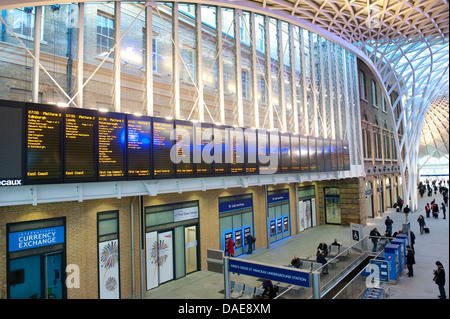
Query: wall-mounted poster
x=151, y=244
x=165, y=256
x=159, y=253
x=109, y=269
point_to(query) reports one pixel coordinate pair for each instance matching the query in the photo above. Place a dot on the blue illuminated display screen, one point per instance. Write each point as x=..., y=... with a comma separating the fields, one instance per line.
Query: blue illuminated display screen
x=138, y=147
x=111, y=146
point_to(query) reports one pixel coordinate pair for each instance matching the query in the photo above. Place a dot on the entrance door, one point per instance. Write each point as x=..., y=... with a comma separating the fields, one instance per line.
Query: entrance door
x=53, y=276
x=28, y=281
x=190, y=244
x=25, y=278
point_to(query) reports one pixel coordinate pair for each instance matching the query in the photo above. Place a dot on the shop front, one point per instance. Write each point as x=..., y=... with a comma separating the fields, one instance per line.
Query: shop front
x=332, y=206
x=306, y=207
x=369, y=199
x=171, y=240
x=36, y=259
x=236, y=221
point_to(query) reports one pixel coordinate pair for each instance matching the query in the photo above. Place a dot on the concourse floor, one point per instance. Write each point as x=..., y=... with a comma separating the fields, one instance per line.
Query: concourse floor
x=428, y=249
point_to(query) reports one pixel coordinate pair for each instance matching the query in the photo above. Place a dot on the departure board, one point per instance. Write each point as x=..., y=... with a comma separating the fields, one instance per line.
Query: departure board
x=304, y=158
x=285, y=149
x=319, y=150
x=312, y=154
x=274, y=140
x=340, y=155
x=111, y=146
x=250, y=151
x=295, y=153
x=334, y=156
x=237, y=147
x=161, y=147
x=139, y=147
x=346, y=155
x=263, y=152
x=222, y=166
x=11, y=143
x=79, y=145
x=327, y=154
x=44, y=151
x=184, y=150
x=204, y=149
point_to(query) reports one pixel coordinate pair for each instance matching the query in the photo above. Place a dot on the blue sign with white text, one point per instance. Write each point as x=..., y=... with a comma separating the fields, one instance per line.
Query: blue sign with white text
x=291, y=276
x=36, y=238
x=274, y=198
x=235, y=205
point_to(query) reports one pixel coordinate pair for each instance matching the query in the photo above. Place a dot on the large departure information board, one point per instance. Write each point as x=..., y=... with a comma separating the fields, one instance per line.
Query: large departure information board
x=162, y=145
x=49, y=144
x=295, y=153
x=80, y=145
x=285, y=148
x=11, y=143
x=184, y=139
x=251, y=143
x=204, y=149
x=237, y=147
x=139, y=140
x=44, y=151
x=111, y=146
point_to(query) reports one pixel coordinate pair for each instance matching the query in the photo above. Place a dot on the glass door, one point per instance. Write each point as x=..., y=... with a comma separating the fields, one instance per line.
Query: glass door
x=53, y=276
x=25, y=278
x=190, y=244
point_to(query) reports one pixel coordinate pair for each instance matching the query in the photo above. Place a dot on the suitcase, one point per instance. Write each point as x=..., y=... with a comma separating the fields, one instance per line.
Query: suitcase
x=426, y=230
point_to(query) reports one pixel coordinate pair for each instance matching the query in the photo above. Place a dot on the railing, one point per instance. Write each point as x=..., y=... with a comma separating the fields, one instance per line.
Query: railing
x=337, y=268
x=355, y=288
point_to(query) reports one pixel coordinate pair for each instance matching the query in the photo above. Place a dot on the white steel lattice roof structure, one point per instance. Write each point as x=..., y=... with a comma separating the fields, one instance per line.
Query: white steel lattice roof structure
x=408, y=42
x=434, y=149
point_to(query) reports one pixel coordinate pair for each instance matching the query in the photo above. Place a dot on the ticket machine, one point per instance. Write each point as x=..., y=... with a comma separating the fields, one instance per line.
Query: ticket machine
x=392, y=253
x=402, y=257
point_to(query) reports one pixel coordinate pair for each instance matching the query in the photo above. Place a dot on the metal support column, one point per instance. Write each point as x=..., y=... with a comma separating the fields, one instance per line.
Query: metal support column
x=37, y=54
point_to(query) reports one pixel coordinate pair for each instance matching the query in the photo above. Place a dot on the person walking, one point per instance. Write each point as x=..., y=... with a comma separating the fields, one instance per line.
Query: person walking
x=439, y=279
x=375, y=236
x=388, y=222
x=406, y=210
x=421, y=222
x=427, y=210
x=410, y=260
x=443, y=209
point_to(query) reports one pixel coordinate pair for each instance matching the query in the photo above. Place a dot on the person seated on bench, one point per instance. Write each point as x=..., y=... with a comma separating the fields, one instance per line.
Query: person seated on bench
x=322, y=248
x=321, y=259
x=336, y=243
x=295, y=262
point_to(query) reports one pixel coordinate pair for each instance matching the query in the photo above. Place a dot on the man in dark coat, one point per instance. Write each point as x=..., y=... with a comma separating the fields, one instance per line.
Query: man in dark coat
x=439, y=279
x=410, y=260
